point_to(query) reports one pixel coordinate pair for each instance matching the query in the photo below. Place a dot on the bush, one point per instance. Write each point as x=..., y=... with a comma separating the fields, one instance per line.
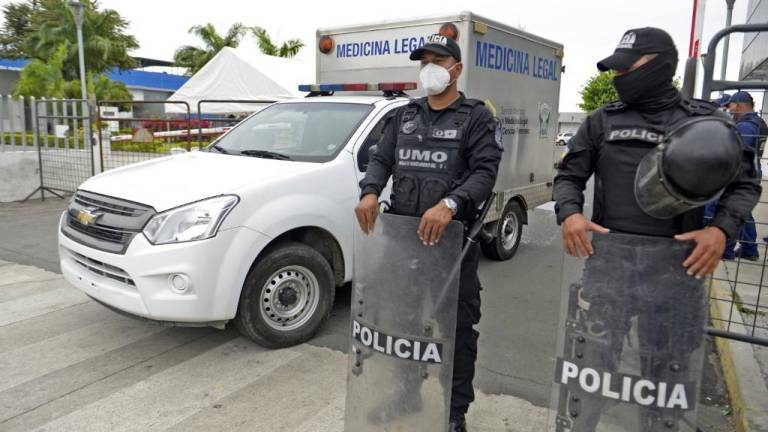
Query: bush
x=154, y=147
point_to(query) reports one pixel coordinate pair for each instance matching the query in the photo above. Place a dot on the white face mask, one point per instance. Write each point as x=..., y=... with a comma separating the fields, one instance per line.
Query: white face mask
x=435, y=79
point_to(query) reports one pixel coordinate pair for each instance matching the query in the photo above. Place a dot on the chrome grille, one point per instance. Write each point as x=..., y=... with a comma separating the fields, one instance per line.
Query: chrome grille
x=114, y=222
x=109, y=234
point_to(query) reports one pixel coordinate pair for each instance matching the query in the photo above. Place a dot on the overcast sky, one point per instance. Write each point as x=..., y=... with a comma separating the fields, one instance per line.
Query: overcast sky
x=589, y=29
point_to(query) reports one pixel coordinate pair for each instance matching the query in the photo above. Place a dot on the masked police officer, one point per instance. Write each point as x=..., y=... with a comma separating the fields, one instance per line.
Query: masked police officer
x=645, y=63
x=611, y=144
x=464, y=128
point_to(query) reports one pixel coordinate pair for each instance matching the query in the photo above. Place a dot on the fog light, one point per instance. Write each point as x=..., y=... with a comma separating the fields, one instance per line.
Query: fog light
x=179, y=283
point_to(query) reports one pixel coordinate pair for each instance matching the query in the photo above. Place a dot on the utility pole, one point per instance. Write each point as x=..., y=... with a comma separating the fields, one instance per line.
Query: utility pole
x=78, y=9
x=728, y=17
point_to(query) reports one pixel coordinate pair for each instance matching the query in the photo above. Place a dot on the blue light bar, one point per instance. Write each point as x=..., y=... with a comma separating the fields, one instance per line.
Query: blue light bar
x=331, y=87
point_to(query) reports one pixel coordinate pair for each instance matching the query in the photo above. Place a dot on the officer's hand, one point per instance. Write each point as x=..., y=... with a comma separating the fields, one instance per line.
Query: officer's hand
x=366, y=211
x=710, y=244
x=575, y=239
x=433, y=224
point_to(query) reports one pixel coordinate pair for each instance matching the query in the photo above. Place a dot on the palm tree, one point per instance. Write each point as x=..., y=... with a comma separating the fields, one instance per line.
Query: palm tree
x=287, y=49
x=106, y=43
x=194, y=58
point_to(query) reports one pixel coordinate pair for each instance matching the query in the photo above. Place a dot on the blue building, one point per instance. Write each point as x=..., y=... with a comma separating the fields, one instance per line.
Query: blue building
x=143, y=85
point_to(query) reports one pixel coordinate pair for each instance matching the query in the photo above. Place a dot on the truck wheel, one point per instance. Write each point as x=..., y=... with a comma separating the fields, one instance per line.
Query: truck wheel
x=507, y=232
x=286, y=297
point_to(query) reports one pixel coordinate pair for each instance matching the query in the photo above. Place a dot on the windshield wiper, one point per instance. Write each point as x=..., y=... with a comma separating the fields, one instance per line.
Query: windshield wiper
x=220, y=149
x=265, y=154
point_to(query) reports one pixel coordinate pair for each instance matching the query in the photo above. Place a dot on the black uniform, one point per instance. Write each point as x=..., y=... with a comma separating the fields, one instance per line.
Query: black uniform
x=432, y=155
x=610, y=144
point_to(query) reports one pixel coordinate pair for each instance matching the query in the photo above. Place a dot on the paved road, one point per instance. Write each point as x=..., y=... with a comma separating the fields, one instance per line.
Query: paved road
x=521, y=301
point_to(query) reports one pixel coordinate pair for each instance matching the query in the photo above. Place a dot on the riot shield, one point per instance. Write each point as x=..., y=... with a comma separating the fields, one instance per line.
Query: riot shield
x=631, y=342
x=403, y=323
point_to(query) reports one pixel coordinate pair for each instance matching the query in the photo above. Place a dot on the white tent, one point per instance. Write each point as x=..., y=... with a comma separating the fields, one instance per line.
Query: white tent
x=243, y=74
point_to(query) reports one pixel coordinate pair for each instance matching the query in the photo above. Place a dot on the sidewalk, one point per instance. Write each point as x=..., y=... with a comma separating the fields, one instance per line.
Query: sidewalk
x=69, y=364
x=740, y=304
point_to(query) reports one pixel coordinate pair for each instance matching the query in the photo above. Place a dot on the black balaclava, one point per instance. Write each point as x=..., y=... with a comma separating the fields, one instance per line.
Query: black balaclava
x=649, y=87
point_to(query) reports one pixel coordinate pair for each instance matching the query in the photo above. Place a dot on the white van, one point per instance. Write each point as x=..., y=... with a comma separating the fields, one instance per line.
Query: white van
x=258, y=228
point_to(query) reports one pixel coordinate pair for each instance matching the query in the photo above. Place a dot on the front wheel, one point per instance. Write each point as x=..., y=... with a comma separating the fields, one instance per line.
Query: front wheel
x=507, y=232
x=287, y=296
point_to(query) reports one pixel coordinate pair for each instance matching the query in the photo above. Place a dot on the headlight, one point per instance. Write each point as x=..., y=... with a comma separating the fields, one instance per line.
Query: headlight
x=196, y=221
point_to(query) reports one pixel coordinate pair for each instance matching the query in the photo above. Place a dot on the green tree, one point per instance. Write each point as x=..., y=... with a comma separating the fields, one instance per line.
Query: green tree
x=17, y=21
x=194, y=58
x=598, y=91
x=106, y=43
x=99, y=87
x=287, y=49
x=43, y=79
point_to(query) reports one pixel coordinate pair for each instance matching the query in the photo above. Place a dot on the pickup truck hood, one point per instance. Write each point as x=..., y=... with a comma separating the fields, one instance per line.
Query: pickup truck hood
x=173, y=181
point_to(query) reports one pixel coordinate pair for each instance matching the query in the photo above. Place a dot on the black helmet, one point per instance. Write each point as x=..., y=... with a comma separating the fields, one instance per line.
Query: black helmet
x=692, y=166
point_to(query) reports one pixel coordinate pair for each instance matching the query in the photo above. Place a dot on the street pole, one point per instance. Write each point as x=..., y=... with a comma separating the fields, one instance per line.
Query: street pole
x=724, y=63
x=78, y=9
x=694, y=49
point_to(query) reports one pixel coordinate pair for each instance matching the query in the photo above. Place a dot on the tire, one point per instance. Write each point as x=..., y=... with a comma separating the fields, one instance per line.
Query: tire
x=507, y=232
x=286, y=297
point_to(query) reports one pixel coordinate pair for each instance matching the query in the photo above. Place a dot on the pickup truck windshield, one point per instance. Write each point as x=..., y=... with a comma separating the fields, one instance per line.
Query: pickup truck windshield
x=304, y=131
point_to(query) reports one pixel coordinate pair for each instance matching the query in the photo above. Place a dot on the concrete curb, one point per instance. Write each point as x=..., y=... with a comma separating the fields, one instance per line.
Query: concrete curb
x=749, y=395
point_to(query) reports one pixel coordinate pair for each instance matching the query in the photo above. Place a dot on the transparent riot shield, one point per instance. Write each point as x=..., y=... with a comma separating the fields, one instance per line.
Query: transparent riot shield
x=402, y=329
x=631, y=341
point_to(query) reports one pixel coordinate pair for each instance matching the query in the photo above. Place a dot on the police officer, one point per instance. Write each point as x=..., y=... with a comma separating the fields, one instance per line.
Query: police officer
x=462, y=131
x=611, y=143
x=753, y=132
x=644, y=63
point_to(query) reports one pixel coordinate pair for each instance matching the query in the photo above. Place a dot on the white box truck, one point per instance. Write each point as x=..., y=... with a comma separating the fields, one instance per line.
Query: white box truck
x=258, y=228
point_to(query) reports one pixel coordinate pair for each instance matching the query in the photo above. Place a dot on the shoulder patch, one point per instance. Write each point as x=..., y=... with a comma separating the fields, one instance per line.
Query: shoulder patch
x=698, y=106
x=615, y=106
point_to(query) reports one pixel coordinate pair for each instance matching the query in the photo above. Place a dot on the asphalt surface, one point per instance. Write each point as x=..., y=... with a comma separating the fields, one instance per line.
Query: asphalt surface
x=521, y=301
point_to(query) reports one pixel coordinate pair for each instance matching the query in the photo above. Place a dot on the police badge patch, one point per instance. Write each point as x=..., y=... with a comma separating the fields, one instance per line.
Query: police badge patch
x=498, y=135
x=409, y=127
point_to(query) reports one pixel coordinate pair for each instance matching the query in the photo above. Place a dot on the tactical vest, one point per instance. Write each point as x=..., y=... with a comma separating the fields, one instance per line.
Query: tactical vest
x=428, y=157
x=628, y=137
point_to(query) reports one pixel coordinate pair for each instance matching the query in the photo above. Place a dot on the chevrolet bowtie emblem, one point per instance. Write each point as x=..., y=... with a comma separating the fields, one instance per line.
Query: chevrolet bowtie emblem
x=87, y=216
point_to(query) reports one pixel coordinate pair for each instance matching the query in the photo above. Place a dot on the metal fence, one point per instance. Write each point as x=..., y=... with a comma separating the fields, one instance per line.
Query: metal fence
x=740, y=286
x=147, y=132
x=61, y=135
x=16, y=123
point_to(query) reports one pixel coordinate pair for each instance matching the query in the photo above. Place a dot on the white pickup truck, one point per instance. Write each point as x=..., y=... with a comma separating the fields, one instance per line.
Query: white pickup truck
x=258, y=228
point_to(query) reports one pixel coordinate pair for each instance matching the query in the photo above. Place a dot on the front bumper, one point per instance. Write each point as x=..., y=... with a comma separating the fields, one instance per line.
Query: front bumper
x=145, y=280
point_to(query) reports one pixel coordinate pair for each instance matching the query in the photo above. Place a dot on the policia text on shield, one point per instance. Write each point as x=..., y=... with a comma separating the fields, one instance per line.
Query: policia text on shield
x=632, y=323
x=451, y=187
